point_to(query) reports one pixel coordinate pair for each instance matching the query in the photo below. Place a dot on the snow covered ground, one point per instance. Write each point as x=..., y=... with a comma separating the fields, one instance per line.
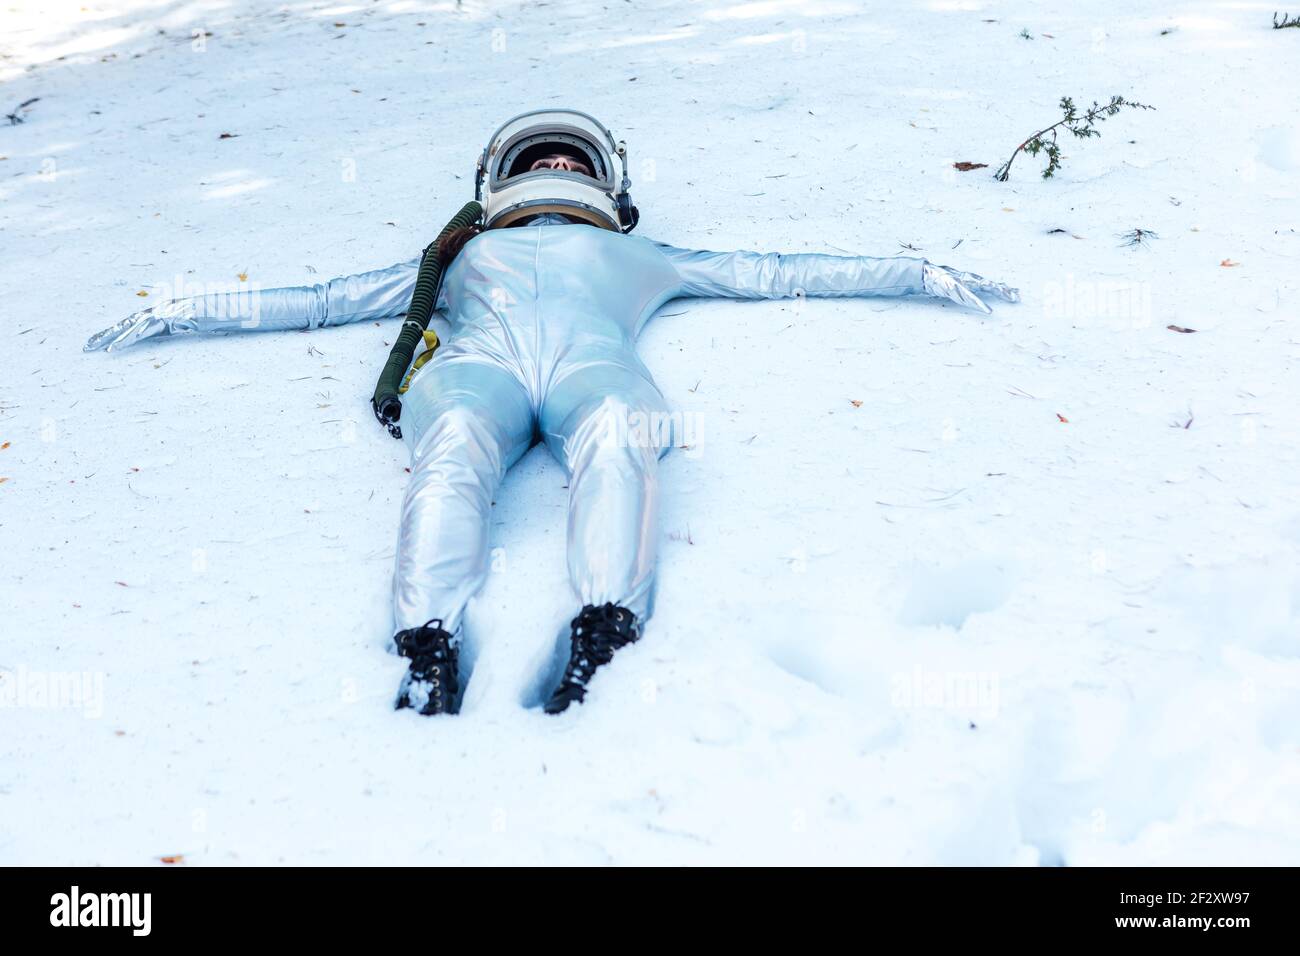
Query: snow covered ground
x=935, y=587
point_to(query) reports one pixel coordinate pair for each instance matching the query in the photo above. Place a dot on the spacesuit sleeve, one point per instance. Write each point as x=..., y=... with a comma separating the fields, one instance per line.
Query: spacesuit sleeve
x=380, y=294
x=773, y=275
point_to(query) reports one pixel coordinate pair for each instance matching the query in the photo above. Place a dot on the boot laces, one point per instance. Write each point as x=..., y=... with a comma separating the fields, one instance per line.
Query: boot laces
x=597, y=633
x=432, y=655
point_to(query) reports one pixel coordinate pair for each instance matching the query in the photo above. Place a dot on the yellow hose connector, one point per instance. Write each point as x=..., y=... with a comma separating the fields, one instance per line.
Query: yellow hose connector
x=431, y=344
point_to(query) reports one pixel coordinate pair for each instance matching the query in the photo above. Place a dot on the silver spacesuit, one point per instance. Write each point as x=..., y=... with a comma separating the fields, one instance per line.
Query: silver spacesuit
x=544, y=306
x=544, y=319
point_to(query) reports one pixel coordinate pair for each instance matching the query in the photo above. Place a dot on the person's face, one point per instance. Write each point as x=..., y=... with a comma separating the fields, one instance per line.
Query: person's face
x=561, y=162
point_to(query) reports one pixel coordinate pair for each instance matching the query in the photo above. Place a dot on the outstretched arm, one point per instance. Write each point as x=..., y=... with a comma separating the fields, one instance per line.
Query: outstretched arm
x=772, y=275
x=380, y=294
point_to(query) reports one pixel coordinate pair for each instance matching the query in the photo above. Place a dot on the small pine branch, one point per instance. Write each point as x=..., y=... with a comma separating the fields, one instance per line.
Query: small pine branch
x=16, y=116
x=1081, y=125
x=1138, y=237
x=1286, y=21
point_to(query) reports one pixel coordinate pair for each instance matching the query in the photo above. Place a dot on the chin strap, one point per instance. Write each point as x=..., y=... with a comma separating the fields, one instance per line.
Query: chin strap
x=628, y=214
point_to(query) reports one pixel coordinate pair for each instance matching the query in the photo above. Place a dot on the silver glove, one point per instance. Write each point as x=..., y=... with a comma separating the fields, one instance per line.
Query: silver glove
x=164, y=319
x=961, y=287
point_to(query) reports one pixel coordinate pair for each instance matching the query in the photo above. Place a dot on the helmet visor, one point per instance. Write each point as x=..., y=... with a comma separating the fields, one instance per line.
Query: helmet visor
x=546, y=152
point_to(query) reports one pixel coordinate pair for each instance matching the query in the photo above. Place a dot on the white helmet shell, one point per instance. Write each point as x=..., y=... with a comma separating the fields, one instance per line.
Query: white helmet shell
x=511, y=192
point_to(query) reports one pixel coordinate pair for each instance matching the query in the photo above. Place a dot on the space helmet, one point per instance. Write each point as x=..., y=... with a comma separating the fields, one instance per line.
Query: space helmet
x=512, y=192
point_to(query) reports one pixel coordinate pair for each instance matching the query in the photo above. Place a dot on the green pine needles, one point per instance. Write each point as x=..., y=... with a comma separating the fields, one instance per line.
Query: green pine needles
x=1082, y=125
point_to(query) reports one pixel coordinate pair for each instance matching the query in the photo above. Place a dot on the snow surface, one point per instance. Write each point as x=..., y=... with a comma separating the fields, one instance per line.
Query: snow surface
x=935, y=587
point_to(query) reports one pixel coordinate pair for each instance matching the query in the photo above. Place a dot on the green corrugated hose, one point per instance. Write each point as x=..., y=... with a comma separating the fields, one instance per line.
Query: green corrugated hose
x=387, y=401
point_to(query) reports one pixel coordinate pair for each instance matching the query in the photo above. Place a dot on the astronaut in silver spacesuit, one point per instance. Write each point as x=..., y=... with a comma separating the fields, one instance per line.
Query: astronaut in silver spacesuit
x=544, y=304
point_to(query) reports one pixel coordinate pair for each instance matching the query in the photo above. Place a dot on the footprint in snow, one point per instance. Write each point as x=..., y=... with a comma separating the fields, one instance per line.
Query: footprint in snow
x=947, y=596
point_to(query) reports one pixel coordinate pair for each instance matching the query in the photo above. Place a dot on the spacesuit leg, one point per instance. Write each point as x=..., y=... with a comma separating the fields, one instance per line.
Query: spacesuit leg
x=468, y=422
x=603, y=424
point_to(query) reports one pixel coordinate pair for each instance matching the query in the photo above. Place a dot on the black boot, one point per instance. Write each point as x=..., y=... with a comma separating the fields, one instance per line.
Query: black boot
x=432, y=684
x=597, y=633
